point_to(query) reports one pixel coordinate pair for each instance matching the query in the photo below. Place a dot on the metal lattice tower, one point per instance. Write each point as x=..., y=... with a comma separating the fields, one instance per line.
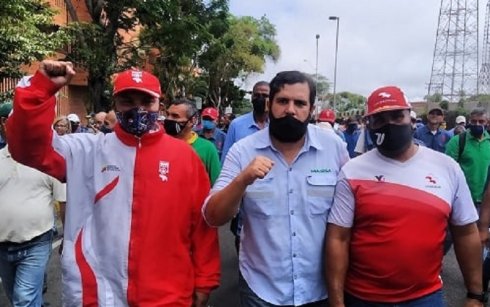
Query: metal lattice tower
x=455, y=65
x=484, y=77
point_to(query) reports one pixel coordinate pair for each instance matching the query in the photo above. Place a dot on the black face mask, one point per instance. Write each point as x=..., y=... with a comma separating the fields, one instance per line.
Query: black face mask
x=351, y=128
x=105, y=129
x=259, y=105
x=476, y=130
x=287, y=129
x=173, y=127
x=74, y=126
x=392, y=140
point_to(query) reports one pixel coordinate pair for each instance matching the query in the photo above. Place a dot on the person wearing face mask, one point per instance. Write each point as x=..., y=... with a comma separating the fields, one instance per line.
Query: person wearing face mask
x=283, y=178
x=181, y=118
x=133, y=232
x=351, y=135
x=387, y=224
x=209, y=131
x=471, y=149
x=433, y=135
x=251, y=122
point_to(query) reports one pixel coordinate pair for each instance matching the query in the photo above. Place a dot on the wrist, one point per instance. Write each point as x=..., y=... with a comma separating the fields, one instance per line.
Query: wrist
x=481, y=297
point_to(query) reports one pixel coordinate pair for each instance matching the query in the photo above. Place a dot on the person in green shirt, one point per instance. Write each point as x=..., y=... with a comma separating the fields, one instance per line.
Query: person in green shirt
x=181, y=118
x=473, y=155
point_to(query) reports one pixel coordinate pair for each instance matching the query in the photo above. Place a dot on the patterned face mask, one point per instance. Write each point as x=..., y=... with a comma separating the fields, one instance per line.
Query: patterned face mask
x=137, y=121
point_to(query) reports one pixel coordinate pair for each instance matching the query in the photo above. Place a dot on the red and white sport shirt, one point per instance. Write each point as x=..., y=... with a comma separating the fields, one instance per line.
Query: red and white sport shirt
x=398, y=213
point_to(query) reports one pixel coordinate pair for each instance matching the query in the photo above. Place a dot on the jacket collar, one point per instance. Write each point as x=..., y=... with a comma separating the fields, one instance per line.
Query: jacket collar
x=132, y=140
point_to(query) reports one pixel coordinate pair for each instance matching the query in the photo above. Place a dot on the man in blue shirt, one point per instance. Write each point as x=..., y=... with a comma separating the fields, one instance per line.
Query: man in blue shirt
x=250, y=122
x=209, y=130
x=283, y=178
x=431, y=134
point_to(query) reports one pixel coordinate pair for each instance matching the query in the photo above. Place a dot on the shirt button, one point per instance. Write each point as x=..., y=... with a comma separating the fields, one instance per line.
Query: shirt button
x=292, y=212
x=294, y=255
x=290, y=191
x=290, y=169
x=294, y=234
x=295, y=276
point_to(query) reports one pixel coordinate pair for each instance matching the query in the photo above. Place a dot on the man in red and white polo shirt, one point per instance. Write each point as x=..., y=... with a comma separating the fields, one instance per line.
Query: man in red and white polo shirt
x=391, y=208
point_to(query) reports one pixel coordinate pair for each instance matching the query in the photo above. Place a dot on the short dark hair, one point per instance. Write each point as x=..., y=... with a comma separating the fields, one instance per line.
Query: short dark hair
x=292, y=77
x=260, y=83
x=191, y=106
x=479, y=111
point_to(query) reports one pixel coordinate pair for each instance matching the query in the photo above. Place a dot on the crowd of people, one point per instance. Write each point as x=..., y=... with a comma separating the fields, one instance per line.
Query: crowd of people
x=350, y=212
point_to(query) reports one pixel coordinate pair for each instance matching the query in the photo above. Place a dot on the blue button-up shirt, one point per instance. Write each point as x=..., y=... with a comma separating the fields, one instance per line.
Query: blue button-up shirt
x=435, y=141
x=240, y=127
x=285, y=215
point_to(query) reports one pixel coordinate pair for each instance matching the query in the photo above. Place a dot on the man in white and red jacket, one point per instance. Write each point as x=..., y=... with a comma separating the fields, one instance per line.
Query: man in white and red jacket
x=134, y=234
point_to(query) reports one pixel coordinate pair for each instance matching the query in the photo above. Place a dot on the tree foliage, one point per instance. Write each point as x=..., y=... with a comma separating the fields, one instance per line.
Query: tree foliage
x=240, y=51
x=100, y=47
x=347, y=101
x=27, y=34
x=194, y=46
x=176, y=34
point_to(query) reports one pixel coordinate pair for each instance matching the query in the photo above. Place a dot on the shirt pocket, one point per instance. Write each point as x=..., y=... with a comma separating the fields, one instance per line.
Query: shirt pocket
x=259, y=199
x=319, y=194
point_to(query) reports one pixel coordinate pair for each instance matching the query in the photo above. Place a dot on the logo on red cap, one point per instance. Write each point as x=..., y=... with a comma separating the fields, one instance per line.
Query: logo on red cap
x=387, y=98
x=210, y=112
x=137, y=80
x=326, y=115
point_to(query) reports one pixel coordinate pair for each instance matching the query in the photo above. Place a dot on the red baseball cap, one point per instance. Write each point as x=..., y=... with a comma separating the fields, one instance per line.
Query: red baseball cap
x=210, y=112
x=138, y=80
x=387, y=98
x=327, y=115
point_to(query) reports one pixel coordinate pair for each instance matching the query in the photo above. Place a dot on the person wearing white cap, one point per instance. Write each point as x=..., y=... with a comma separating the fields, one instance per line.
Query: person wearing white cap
x=459, y=127
x=76, y=127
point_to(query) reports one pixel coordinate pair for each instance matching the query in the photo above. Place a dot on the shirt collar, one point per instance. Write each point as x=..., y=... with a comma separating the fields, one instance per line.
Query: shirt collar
x=253, y=124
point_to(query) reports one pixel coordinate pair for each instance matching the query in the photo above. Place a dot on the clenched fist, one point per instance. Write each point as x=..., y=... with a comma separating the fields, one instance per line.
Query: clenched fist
x=258, y=168
x=60, y=73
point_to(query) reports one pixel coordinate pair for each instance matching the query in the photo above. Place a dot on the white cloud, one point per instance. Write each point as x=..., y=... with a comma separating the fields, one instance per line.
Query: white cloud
x=381, y=42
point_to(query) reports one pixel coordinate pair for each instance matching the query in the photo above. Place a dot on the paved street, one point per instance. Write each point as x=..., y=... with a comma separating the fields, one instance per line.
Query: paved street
x=226, y=295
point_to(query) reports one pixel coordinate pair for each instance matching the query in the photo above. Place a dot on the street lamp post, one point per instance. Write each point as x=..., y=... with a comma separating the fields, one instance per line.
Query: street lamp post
x=335, y=66
x=316, y=61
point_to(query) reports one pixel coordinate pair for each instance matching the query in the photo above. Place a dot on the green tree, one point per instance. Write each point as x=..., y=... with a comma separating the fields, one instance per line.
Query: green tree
x=437, y=97
x=172, y=34
x=27, y=34
x=444, y=105
x=99, y=47
x=322, y=85
x=347, y=101
x=240, y=51
x=178, y=32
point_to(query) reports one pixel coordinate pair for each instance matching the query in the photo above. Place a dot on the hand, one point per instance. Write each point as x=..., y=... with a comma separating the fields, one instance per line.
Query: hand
x=472, y=303
x=258, y=168
x=60, y=73
x=200, y=299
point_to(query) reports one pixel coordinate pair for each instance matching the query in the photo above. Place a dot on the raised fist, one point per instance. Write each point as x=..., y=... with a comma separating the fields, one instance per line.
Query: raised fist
x=60, y=73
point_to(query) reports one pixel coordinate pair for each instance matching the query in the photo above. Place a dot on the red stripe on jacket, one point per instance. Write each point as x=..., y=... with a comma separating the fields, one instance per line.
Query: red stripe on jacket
x=89, y=283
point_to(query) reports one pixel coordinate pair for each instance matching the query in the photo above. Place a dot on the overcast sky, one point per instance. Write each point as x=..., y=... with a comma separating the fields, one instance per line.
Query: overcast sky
x=381, y=42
